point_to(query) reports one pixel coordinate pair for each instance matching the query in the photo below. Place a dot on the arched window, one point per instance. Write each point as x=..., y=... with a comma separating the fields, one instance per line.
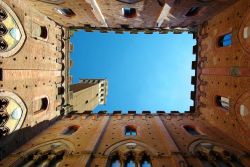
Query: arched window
x=115, y=161
x=12, y=113
x=3, y=103
x=11, y=32
x=211, y=155
x=47, y=155
x=222, y=102
x=70, y=130
x=130, y=131
x=129, y=12
x=130, y=162
x=191, y=130
x=225, y=40
x=145, y=162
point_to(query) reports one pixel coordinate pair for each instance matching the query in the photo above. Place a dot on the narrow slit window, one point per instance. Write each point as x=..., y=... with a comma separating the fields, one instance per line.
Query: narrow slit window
x=225, y=40
x=222, y=102
x=193, y=11
x=129, y=12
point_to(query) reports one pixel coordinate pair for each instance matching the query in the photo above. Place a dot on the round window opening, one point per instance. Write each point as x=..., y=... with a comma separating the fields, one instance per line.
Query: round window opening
x=12, y=35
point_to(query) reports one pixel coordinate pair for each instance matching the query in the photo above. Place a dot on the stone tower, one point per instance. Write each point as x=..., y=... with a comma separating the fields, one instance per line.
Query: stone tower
x=46, y=121
x=87, y=94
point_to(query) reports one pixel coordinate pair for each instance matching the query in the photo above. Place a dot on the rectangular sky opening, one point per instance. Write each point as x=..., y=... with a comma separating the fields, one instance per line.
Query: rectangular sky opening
x=149, y=72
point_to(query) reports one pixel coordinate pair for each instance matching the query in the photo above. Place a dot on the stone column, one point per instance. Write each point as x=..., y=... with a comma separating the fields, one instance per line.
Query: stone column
x=122, y=159
x=138, y=159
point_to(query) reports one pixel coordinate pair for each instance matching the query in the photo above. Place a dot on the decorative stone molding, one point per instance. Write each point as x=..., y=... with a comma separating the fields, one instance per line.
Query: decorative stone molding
x=14, y=28
x=15, y=109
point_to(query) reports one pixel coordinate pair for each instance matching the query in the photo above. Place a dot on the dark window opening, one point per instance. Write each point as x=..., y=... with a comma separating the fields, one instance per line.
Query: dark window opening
x=61, y=90
x=129, y=12
x=97, y=95
x=44, y=103
x=225, y=40
x=130, y=131
x=4, y=131
x=3, y=118
x=3, y=14
x=86, y=102
x=115, y=162
x=204, y=154
x=222, y=102
x=70, y=130
x=3, y=104
x=191, y=130
x=44, y=32
x=1, y=74
x=3, y=45
x=145, y=162
x=3, y=29
x=193, y=11
x=130, y=162
x=66, y=12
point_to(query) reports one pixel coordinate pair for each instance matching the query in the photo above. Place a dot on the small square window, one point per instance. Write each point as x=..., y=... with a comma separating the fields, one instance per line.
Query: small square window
x=129, y=12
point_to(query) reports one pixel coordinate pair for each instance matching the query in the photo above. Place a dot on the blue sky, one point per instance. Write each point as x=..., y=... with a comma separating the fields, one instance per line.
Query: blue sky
x=145, y=72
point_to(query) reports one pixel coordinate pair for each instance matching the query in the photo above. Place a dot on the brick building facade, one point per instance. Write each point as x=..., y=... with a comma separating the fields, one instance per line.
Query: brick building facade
x=42, y=124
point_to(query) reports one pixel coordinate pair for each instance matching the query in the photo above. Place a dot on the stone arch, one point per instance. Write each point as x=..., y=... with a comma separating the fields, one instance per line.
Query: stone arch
x=242, y=110
x=115, y=146
x=212, y=153
x=129, y=151
x=50, y=149
x=13, y=107
x=16, y=33
x=244, y=32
